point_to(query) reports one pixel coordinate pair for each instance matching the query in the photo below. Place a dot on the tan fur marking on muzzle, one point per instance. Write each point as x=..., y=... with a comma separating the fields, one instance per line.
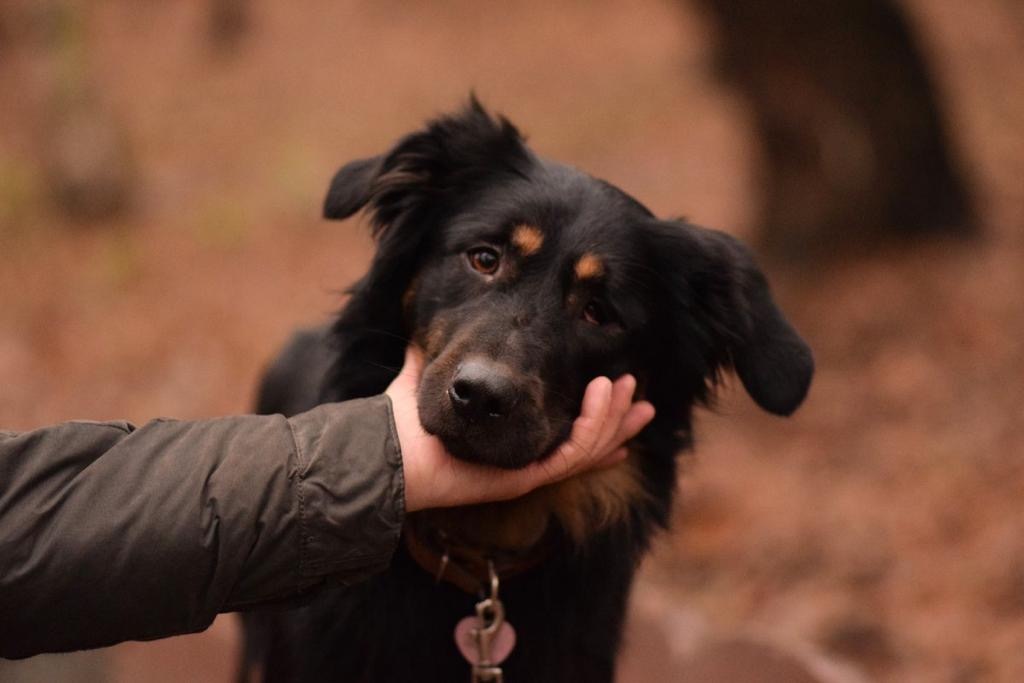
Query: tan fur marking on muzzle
x=589, y=267
x=527, y=239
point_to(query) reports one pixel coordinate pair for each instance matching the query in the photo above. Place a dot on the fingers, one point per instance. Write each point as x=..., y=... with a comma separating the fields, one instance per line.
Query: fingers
x=637, y=416
x=596, y=401
x=624, y=419
x=588, y=429
x=608, y=418
x=622, y=398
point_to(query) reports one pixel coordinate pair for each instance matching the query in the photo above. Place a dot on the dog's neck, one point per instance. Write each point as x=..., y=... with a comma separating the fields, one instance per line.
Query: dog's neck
x=514, y=533
x=467, y=566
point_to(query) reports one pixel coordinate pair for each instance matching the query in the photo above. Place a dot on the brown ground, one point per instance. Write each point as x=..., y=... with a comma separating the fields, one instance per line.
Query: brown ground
x=881, y=526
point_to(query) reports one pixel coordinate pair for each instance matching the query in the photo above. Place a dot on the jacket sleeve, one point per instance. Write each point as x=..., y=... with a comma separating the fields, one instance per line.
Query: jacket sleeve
x=111, y=533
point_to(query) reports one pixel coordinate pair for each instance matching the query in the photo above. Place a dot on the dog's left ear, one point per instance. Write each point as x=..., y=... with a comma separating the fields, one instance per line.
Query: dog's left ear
x=428, y=171
x=725, y=307
x=351, y=187
x=408, y=193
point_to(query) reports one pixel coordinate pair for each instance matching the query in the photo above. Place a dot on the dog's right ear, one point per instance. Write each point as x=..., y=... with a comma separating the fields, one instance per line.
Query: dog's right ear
x=725, y=317
x=351, y=187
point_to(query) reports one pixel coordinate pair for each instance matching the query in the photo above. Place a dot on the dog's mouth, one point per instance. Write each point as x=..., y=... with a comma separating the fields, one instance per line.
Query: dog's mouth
x=486, y=413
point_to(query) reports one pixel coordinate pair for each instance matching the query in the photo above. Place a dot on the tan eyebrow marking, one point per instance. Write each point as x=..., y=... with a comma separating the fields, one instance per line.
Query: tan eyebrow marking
x=527, y=239
x=588, y=267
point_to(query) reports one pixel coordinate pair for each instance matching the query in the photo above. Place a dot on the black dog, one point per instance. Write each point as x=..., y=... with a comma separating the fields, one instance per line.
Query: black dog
x=522, y=279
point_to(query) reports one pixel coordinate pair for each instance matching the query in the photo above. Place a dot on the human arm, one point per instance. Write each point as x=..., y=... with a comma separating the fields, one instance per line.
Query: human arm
x=109, y=533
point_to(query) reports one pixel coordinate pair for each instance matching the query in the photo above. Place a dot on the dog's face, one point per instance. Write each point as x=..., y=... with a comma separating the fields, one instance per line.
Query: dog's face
x=526, y=294
x=523, y=279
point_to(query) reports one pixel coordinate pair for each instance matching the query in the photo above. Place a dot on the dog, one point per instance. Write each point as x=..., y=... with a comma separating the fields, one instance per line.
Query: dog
x=521, y=279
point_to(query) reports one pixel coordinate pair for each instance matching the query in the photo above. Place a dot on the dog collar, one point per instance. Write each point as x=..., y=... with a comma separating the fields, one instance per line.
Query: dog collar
x=466, y=567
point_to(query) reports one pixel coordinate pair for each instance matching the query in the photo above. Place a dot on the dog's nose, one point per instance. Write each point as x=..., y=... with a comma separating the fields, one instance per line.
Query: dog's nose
x=481, y=389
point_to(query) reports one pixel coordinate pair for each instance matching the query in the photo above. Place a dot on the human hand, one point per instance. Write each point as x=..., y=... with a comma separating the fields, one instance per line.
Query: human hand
x=434, y=478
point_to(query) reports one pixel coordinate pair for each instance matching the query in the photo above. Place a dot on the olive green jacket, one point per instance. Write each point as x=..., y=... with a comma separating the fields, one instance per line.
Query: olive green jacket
x=111, y=533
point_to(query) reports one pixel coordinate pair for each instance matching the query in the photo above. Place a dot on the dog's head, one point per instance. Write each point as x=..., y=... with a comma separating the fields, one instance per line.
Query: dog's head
x=522, y=279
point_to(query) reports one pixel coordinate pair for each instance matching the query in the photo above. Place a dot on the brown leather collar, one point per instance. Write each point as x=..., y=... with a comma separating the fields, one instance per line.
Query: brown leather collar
x=466, y=567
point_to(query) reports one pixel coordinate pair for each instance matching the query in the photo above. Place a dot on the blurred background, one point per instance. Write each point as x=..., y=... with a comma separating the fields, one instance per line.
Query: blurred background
x=162, y=166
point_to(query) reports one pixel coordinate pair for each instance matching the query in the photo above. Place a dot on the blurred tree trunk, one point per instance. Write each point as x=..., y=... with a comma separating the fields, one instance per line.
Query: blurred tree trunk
x=228, y=22
x=854, y=145
x=85, y=150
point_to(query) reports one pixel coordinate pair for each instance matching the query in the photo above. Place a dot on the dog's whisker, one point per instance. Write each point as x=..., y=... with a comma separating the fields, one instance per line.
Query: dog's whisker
x=388, y=333
x=382, y=366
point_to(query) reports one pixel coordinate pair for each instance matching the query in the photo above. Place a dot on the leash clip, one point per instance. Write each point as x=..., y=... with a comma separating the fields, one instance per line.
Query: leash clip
x=486, y=639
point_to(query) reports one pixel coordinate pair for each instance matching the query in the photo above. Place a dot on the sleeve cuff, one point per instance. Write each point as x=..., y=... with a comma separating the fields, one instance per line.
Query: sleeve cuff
x=350, y=489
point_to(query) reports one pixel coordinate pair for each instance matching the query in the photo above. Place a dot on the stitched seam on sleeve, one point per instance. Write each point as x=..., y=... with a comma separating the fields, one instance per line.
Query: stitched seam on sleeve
x=399, y=473
x=299, y=481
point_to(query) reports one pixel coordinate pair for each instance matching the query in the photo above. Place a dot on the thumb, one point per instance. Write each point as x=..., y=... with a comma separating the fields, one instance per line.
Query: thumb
x=412, y=367
x=408, y=378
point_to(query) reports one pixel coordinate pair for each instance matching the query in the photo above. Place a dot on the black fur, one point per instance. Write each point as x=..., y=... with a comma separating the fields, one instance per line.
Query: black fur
x=676, y=305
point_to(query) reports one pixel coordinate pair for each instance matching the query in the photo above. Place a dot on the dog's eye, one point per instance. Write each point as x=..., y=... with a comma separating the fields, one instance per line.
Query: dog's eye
x=594, y=313
x=484, y=260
